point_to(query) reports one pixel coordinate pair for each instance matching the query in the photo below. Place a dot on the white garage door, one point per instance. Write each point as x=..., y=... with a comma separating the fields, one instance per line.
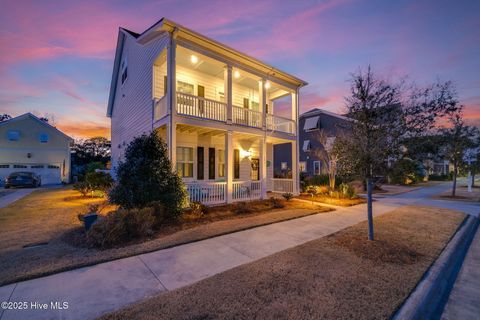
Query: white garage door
x=49, y=173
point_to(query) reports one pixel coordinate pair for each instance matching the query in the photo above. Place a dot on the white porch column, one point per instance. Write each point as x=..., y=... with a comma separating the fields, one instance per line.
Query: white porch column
x=171, y=76
x=263, y=167
x=262, y=100
x=295, y=151
x=172, y=143
x=295, y=174
x=227, y=91
x=229, y=164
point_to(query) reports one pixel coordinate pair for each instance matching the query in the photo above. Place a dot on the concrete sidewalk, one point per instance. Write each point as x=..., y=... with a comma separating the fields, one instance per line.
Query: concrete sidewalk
x=464, y=300
x=14, y=196
x=105, y=287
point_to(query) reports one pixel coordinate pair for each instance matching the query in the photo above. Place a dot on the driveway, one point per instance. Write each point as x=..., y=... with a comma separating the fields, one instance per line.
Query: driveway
x=92, y=291
x=13, y=195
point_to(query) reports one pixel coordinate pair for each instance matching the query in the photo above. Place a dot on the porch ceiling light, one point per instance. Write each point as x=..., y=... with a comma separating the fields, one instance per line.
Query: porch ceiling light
x=245, y=153
x=267, y=85
x=193, y=59
x=236, y=74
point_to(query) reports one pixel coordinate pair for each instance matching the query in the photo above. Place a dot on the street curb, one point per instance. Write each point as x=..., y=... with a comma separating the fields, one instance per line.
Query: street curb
x=429, y=297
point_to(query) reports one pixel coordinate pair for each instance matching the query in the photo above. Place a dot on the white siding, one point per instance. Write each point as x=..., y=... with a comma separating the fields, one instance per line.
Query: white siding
x=132, y=108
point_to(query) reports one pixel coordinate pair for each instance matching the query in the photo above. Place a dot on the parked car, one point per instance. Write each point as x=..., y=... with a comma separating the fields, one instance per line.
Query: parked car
x=23, y=179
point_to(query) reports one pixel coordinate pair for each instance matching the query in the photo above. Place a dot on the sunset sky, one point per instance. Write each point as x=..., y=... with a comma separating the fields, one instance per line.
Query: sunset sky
x=56, y=57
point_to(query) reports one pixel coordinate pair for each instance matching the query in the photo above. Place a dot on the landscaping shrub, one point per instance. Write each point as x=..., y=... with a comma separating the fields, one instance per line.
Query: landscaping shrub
x=83, y=187
x=198, y=208
x=242, y=208
x=276, y=203
x=99, y=181
x=160, y=212
x=407, y=171
x=120, y=226
x=321, y=180
x=439, y=177
x=146, y=176
x=317, y=189
x=288, y=196
x=346, y=191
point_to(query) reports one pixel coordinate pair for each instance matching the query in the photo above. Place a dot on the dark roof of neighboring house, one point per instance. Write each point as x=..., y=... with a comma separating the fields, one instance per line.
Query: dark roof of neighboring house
x=318, y=111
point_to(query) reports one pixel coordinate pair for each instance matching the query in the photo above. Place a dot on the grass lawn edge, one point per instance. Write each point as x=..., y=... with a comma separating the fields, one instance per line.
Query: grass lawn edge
x=429, y=268
x=168, y=246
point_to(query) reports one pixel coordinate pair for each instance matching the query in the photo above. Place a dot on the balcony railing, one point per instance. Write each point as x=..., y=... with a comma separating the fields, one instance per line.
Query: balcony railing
x=246, y=117
x=199, y=107
x=160, y=108
x=282, y=185
x=207, y=192
x=246, y=190
x=276, y=123
x=203, y=108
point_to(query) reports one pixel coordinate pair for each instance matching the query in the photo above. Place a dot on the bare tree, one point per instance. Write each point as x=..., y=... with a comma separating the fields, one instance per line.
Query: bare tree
x=458, y=138
x=5, y=117
x=326, y=155
x=383, y=115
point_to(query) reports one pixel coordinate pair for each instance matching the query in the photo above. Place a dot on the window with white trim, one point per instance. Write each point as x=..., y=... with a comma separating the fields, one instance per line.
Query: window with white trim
x=311, y=123
x=221, y=163
x=302, y=166
x=307, y=146
x=185, y=162
x=4, y=166
x=316, y=167
x=13, y=135
x=19, y=166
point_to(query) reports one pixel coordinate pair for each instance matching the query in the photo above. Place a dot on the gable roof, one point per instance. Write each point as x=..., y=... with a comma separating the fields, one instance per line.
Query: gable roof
x=318, y=111
x=164, y=25
x=35, y=118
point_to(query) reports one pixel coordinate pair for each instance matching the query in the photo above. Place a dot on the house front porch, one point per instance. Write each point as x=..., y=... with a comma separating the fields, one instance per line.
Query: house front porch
x=219, y=166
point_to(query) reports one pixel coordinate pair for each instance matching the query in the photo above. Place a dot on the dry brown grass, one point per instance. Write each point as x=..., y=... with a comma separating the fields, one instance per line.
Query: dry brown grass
x=333, y=201
x=336, y=277
x=461, y=194
x=50, y=216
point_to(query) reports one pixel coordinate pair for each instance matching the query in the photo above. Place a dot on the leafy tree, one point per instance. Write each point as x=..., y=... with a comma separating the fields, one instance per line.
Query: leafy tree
x=5, y=117
x=96, y=149
x=146, y=176
x=383, y=115
x=457, y=139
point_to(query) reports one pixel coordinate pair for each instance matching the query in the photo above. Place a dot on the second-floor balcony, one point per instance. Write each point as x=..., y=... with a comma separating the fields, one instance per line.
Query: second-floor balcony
x=211, y=90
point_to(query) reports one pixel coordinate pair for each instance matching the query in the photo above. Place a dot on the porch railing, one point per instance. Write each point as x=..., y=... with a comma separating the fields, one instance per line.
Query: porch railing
x=246, y=190
x=195, y=106
x=160, y=108
x=246, y=117
x=207, y=192
x=283, y=185
x=282, y=124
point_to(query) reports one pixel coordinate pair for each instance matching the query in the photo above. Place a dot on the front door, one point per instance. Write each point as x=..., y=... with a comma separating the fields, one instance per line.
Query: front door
x=255, y=173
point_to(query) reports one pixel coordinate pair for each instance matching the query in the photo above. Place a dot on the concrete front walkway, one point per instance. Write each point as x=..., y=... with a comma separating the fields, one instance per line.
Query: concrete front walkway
x=15, y=195
x=464, y=300
x=105, y=287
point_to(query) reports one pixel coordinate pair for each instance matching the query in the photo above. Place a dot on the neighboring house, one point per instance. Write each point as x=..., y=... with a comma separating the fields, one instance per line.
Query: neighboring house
x=217, y=109
x=310, y=124
x=30, y=144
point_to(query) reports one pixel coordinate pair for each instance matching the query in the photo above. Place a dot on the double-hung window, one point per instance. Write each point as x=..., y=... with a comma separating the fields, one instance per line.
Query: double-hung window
x=221, y=163
x=185, y=162
x=316, y=167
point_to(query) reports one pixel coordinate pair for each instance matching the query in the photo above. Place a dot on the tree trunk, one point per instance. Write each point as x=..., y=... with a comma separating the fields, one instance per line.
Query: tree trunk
x=370, y=208
x=454, y=188
x=473, y=178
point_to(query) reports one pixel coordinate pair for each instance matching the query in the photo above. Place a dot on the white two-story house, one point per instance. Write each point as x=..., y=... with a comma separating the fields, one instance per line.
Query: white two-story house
x=220, y=111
